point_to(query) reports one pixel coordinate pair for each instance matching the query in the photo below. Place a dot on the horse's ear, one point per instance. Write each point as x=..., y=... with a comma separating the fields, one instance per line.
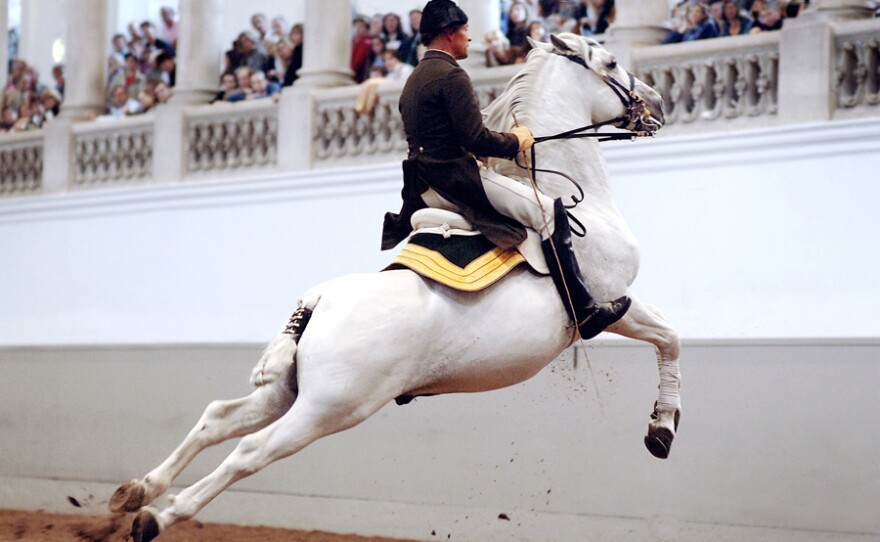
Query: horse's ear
x=559, y=44
x=539, y=45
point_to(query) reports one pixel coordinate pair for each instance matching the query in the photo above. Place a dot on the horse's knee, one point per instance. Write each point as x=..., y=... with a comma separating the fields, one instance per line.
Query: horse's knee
x=668, y=344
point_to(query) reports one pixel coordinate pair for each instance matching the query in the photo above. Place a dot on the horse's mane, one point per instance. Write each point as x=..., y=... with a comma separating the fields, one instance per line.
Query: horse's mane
x=517, y=96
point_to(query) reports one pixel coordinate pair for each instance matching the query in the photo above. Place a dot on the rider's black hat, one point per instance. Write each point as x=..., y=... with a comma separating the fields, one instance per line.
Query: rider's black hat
x=439, y=15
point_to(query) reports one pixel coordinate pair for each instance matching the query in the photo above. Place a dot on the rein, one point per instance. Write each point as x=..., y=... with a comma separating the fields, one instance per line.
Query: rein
x=635, y=112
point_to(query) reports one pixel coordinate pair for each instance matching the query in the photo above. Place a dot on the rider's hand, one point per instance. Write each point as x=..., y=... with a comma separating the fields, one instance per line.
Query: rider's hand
x=525, y=137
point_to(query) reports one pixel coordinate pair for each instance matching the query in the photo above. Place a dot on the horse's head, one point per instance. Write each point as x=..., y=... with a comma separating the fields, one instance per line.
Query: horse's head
x=637, y=106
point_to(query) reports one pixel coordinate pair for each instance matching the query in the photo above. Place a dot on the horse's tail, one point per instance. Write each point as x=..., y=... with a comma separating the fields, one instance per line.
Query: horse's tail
x=279, y=357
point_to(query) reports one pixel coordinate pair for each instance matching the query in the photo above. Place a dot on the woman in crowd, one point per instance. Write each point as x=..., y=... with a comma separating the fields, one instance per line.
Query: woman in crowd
x=734, y=22
x=392, y=33
x=296, y=55
x=518, y=17
x=697, y=26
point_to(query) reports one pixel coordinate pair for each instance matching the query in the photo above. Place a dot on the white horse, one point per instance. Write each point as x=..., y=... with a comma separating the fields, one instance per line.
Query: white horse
x=374, y=337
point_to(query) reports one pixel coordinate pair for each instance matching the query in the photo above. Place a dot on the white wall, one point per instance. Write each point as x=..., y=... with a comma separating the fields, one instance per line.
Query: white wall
x=776, y=443
x=766, y=234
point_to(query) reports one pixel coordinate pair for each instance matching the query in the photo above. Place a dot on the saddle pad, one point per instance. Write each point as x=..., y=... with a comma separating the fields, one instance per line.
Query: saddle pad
x=465, y=263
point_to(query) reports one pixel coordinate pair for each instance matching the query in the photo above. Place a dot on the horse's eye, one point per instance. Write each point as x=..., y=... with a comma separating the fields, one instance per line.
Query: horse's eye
x=612, y=65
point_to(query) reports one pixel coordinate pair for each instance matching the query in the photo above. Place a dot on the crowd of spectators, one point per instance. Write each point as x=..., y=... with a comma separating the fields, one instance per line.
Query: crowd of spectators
x=382, y=47
x=262, y=60
x=141, y=66
x=692, y=20
x=26, y=103
x=537, y=19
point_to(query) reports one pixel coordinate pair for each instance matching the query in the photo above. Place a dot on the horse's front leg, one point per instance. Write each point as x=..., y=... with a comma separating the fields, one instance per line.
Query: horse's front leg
x=306, y=421
x=645, y=323
x=221, y=420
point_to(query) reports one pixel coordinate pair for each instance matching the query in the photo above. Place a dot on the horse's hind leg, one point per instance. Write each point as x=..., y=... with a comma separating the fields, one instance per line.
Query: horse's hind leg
x=644, y=322
x=305, y=422
x=221, y=420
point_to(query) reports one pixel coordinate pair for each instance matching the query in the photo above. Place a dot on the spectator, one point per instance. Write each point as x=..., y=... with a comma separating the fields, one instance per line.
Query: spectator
x=121, y=105
x=51, y=100
x=168, y=28
x=409, y=50
x=115, y=65
x=262, y=87
x=130, y=77
x=368, y=97
x=377, y=22
x=228, y=87
x=392, y=34
x=280, y=29
x=120, y=46
x=166, y=68
x=734, y=22
x=136, y=43
x=498, y=51
x=261, y=25
x=152, y=41
x=162, y=92
x=296, y=56
x=377, y=47
x=594, y=16
x=146, y=98
x=394, y=68
x=697, y=26
x=716, y=12
x=10, y=117
x=242, y=84
x=246, y=53
x=361, y=44
x=517, y=26
x=769, y=19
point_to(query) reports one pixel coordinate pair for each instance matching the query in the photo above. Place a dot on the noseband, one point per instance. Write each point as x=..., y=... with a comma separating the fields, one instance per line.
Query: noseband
x=635, y=114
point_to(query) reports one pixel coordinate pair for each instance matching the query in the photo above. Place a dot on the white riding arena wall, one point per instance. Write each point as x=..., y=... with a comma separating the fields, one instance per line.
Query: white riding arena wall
x=124, y=312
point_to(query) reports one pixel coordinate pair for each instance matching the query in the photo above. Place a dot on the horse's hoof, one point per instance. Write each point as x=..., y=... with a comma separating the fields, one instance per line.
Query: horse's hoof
x=127, y=498
x=659, y=441
x=660, y=435
x=145, y=527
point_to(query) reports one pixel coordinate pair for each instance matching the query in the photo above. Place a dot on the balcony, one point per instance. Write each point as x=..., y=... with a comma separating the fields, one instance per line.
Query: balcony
x=714, y=85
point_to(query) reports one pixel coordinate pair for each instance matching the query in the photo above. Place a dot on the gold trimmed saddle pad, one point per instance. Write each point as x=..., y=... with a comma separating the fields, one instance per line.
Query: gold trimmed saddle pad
x=469, y=263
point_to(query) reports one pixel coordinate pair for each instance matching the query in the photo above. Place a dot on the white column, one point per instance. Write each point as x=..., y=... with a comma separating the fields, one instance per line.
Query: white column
x=326, y=63
x=838, y=10
x=199, y=50
x=806, y=59
x=638, y=23
x=4, y=42
x=327, y=44
x=84, y=59
x=483, y=16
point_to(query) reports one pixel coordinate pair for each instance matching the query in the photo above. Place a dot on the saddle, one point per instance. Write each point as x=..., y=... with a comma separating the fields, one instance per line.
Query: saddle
x=445, y=248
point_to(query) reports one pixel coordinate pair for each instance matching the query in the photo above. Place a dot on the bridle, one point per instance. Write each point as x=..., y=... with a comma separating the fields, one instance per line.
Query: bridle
x=635, y=115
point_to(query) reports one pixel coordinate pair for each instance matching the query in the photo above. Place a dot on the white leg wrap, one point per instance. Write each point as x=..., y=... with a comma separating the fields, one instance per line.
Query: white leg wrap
x=670, y=383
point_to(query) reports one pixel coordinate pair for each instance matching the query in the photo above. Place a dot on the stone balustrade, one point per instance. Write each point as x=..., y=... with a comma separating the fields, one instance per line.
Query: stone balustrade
x=713, y=85
x=21, y=163
x=230, y=137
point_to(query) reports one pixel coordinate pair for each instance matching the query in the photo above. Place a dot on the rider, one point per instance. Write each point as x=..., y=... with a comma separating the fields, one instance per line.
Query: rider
x=444, y=130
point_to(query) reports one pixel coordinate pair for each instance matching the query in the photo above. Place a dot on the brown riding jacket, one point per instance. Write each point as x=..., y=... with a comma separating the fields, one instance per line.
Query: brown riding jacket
x=444, y=130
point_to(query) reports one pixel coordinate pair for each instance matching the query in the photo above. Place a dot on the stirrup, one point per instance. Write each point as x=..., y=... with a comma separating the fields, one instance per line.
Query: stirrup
x=603, y=315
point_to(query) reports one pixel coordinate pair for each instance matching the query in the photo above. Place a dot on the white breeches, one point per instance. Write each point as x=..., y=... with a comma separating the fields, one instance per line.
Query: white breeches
x=510, y=198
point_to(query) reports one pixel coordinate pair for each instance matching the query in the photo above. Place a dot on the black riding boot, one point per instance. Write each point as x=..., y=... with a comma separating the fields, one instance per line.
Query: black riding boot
x=592, y=318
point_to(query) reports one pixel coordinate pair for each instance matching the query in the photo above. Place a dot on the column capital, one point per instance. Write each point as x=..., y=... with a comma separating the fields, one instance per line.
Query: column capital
x=836, y=10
